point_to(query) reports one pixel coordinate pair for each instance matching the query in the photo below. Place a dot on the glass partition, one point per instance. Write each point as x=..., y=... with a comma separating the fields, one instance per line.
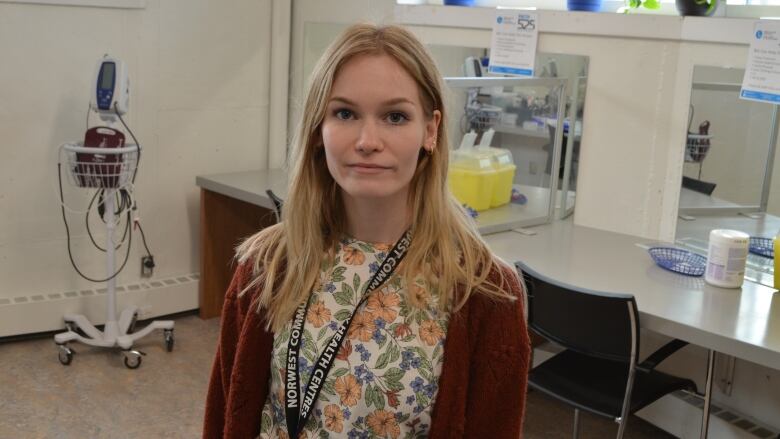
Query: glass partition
x=730, y=145
x=495, y=168
x=527, y=127
x=728, y=165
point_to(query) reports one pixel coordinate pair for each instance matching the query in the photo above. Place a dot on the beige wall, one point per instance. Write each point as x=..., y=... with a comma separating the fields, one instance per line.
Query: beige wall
x=199, y=102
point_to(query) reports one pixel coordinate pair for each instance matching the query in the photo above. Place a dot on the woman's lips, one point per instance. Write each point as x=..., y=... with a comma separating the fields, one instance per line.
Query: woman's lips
x=368, y=168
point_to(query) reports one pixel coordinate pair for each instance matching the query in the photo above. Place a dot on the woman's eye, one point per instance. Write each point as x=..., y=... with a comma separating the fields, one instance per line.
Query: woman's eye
x=397, y=118
x=343, y=114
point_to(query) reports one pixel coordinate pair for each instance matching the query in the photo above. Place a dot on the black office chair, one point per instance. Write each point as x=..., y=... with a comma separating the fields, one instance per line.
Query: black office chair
x=278, y=203
x=701, y=186
x=599, y=371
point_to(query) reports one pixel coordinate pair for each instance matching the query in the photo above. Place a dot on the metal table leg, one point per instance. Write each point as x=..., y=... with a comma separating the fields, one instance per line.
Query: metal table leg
x=705, y=415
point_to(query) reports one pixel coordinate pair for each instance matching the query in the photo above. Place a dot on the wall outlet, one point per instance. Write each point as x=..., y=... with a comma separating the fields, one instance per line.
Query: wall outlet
x=147, y=266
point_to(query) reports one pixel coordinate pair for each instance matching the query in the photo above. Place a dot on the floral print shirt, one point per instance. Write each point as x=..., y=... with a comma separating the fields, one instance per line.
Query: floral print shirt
x=384, y=379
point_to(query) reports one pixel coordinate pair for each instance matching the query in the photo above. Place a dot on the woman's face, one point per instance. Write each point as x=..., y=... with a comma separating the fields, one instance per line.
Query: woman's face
x=374, y=127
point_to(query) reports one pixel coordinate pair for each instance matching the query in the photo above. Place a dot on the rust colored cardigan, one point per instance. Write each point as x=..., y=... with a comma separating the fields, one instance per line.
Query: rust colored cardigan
x=482, y=386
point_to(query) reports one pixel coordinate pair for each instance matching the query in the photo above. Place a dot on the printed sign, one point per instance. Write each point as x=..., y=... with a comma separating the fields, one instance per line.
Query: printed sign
x=762, y=75
x=513, y=46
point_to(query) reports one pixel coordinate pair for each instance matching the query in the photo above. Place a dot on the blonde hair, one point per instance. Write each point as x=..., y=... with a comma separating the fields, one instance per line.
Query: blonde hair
x=287, y=257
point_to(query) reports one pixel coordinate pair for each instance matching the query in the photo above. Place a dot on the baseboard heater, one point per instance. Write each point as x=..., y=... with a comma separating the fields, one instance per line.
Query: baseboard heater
x=43, y=312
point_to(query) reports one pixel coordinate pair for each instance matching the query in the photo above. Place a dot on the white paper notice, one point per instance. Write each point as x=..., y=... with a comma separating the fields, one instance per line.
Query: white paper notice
x=513, y=47
x=762, y=75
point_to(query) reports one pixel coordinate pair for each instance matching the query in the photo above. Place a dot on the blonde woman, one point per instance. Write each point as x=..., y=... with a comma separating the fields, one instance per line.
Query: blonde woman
x=373, y=309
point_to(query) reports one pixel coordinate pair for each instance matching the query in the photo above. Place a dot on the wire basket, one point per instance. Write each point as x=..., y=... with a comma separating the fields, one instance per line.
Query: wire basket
x=679, y=260
x=100, y=167
x=696, y=147
x=762, y=246
x=484, y=118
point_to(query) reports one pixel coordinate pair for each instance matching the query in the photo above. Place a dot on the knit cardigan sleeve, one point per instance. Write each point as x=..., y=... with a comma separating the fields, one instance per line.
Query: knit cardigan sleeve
x=238, y=383
x=499, y=365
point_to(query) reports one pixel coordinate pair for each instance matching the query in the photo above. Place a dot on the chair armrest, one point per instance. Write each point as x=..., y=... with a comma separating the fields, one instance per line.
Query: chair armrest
x=661, y=354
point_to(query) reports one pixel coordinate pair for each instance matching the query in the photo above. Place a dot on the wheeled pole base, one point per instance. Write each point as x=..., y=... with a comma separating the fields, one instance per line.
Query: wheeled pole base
x=115, y=334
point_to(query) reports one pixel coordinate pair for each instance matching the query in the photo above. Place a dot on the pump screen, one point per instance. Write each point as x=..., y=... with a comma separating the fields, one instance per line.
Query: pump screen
x=107, y=76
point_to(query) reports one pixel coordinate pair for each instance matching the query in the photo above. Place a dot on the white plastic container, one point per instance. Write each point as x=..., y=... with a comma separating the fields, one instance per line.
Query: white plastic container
x=726, y=258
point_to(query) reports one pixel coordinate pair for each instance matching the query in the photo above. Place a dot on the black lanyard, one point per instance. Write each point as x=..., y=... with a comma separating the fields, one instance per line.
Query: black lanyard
x=297, y=410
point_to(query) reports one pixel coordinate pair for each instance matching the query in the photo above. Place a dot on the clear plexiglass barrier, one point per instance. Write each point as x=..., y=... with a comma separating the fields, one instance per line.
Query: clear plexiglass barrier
x=505, y=148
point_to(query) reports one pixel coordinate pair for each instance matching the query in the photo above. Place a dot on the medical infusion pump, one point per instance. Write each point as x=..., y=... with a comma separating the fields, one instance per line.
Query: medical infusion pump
x=112, y=86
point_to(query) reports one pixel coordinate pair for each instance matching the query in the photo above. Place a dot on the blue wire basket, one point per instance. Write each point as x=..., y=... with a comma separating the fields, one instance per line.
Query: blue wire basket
x=679, y=260
x=762, y=246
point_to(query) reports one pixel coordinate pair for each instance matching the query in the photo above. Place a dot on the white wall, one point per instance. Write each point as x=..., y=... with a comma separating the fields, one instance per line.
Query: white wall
x=199, y=105
x=324, y=11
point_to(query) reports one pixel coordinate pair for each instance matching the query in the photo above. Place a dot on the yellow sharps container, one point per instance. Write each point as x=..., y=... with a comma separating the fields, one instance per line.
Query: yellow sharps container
x=472, y=175
x=504, y=167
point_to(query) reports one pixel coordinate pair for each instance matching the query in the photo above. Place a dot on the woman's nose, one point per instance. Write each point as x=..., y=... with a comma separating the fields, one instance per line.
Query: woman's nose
x=369, y=139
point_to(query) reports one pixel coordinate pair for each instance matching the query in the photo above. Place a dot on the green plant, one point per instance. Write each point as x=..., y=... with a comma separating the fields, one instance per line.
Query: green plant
x=656, y=4
x=711, y=4
x=647, y=4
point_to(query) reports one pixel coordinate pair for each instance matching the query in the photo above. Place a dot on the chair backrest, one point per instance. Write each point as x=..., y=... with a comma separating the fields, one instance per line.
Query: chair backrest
x=599, y=324
x=278, y=203
x=703, y=187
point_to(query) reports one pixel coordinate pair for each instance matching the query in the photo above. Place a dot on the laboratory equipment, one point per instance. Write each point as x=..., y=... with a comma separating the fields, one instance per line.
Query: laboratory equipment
x=477, y=167
x=472, y=67
x=105, y=167
x=112, y=88
x=105, y=163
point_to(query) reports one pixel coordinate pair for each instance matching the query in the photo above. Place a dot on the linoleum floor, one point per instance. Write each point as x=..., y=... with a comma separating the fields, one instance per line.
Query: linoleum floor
x=97, y=397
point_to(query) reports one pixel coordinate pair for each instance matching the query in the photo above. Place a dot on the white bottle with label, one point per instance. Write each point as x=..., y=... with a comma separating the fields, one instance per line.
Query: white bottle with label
x=726, y=258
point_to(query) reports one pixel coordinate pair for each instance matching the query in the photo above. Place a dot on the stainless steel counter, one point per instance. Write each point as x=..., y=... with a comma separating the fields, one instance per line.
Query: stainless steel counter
x=743, y=322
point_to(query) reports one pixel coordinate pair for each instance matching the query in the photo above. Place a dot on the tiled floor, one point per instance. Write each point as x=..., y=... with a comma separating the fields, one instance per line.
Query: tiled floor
x=97, y=397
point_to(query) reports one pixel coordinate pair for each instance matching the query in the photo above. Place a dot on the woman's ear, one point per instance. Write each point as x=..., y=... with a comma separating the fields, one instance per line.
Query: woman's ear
x=431, y=129
x=316, y=138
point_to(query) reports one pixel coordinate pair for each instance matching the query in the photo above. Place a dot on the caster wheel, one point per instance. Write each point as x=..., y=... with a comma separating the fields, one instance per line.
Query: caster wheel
x=133, y=359
x=169, y=340
x=66, y=355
